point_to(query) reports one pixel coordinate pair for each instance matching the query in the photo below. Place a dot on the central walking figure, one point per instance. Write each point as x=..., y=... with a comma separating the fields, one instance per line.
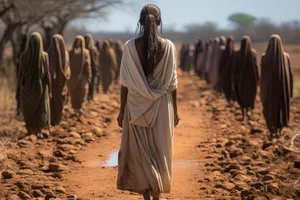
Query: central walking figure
x=148, y=111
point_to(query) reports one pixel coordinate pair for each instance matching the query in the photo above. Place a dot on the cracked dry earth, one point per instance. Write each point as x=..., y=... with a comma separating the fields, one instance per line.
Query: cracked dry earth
x=216, y=156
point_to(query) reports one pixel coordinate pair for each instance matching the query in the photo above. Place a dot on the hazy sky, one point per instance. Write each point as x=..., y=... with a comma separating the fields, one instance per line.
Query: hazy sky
x=177, y=13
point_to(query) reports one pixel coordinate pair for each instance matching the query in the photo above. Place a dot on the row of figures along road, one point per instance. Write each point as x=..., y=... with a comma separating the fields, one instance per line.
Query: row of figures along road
x=47, y=80
x=236, y=74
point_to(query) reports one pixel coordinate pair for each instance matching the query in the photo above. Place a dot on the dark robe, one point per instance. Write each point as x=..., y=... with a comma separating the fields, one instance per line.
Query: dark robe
x=276, y=87
x=246, y=75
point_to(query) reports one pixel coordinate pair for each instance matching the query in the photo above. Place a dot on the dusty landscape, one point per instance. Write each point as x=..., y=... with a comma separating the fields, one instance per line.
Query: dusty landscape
x=216, y=156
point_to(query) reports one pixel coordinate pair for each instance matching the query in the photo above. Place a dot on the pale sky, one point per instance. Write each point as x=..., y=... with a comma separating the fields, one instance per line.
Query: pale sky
x=177, y=13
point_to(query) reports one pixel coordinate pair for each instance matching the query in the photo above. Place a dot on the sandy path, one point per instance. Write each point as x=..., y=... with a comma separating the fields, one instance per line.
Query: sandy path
x=93, y=181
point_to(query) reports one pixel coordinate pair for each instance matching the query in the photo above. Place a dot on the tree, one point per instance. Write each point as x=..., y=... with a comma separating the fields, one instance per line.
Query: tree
x=242, y=20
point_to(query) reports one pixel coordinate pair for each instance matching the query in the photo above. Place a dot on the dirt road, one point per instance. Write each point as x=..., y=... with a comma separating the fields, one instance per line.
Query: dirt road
x=95, y=181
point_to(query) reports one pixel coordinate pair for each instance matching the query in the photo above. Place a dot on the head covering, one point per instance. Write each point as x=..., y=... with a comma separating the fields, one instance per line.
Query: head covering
x=59, y=60
x=89, y=41
x=246, y=74
x=77, y=59
x=222, y=40
x=226, y=70
x=60, y=73
x=108, y=65
x=214, y=70
x=98, y=45
x=276, y=85
x=34, y=67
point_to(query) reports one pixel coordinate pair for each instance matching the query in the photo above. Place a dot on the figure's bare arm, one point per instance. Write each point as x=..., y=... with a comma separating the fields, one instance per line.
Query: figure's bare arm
x=123, y=100
x=176, y=116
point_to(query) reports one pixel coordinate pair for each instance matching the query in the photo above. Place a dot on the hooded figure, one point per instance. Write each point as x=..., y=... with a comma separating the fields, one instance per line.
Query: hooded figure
x=108, y=65
x=214, y=70
x=227, y=65
x=60, y=74
x=18, y=98
x=208, y=60
x=119, y=52
x=81, y=73
x=182, y=56
x=247, y=77
x=198, y=52
x=35, y=83
x=188, y=60
x=94, y=60
x=98, y=45
x=276, y=86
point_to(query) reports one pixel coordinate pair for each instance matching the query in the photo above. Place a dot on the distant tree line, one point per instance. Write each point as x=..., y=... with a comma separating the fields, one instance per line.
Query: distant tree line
x=242, y=24
x=19, y=17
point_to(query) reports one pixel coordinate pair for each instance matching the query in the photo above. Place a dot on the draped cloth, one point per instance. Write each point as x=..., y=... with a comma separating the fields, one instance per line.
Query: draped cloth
x=246, y=73
x=276, y=85
x=81, y=73
x=214, y=70
x=227, y=66
x=34, y=85
x=188, y=60
x=60, y=74
x=94, y=61
x=208, y=61
x=145, y=156
x=108, y=65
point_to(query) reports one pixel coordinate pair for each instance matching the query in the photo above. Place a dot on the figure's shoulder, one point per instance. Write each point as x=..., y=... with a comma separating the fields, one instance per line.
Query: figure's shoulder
x=169, y=42
x=129, y=43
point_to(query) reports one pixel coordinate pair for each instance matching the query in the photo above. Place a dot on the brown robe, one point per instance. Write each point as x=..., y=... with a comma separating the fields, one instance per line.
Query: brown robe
x=81, y=73
x=35, y=82
x=60, y=74
x=246, y=74
x=276, y=85
x=226, y=70
x=108, y=66
x=94, y=61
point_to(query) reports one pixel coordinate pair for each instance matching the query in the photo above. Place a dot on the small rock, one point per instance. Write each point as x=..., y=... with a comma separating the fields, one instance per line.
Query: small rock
x=297, y=164
x=71, y=197
x=246, y=193
x=234, y=152
x=13, y=197
x=49, y=196
x=32, y=138
x=88, y=137
x=24, y=195
x=263, y=171
x=225, y=153
x=60, y=189
x=59, y=153
x=74, y=134
x=268, y=178
x=37, y=193
x=228, y=186
x=24, y=143
x=273, y=188
x=229, y=143
x=7, y=174
x=23, y=185
x=265, y=154
x=256, y=185
x=56, y=167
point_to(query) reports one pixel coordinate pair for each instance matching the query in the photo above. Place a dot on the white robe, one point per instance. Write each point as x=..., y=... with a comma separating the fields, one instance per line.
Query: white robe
x=145, y=156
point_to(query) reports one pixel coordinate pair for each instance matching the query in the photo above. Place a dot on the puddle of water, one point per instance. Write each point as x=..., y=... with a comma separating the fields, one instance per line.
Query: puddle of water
x=112, y=161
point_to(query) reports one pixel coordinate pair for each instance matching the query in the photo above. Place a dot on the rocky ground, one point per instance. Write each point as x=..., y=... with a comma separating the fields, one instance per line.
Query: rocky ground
x=216, y=155
x=33, y=167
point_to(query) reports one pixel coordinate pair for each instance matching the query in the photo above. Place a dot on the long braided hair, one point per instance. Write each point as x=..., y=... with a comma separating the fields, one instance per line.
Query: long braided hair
x=150, y=19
